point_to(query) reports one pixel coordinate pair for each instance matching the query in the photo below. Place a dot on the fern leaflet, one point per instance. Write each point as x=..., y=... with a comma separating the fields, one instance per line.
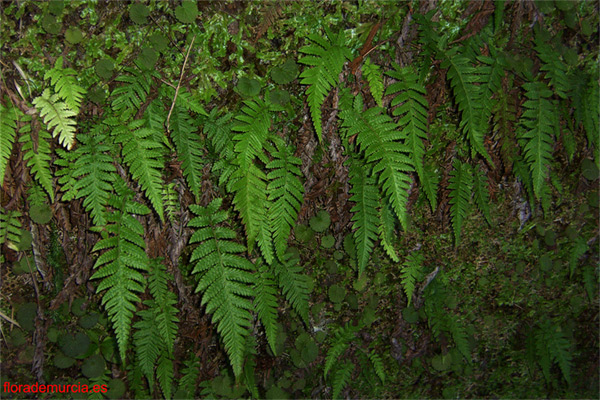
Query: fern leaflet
x=411, y=273
x=387, y=229
x=58, y=117
x=265, y=303
x=65, y=85
x=341, y=377
x=552, y=346
x=373, y=75
x=461, y=185
x=225, y=279
x=339, y=343
x=129, y=97
x=37, y=156
x=430, y=182
x=553, y=65
x=189, y=149
x=294, y=284
x=10, y=228
x=377, y=365
x=189, y=376
x=8, y=131
x=482, y=196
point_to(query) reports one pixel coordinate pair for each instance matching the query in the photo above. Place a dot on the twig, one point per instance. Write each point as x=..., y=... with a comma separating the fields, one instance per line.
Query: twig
x=179, y=83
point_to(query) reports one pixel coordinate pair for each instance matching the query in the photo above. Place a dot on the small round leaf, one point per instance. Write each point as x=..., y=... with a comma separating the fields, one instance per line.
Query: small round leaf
x=187, y=12
x=63, y=362
x=320, y=222
x=337, y=293
x=50, y=24
x=40, y=213
x=248, y=87
x=159, y=42
x=139, y=13
x=56, y=7
x=327, y=241
x=147, y=58
x=104, y=68
x=93, y=367
x=116, y=389
x=285, y=73
x=73, y=35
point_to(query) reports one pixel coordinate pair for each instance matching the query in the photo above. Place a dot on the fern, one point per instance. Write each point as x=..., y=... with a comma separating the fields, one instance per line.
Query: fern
x=535, y=133
x=143, y=156
x=364, y=194
x=386, y=229
x=285, y=194
x=553, y=65
x=122, y=262
x=482, y=196
x=341, y=377
x=465, y=80
x=412, y=110
x=411, y=273
x=225, y=279
x=10, y=228
x=430, y=182
x=339, y=343
x=326, y=57
x=249, y=182
x=189, y=149
x=577, y=249
x=458, y=335
x=378, y=366
x=294, y=285
x=66, y=174
x=461, y=185
x=265, y=304
x=128, y=98
x=8, y=131
x=96, y=172
x=189, y=376
x=171, y=201
x=373, y=75
x=553, y=347
x=58, y=117
x=64, y=81
x=384, y=151
x=37, y=156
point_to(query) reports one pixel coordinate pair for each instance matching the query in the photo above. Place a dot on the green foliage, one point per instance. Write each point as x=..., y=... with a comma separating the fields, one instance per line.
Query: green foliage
x=58, y=117
x=64, y=81
x=481, y=194
x=373, y=75
x=122, y=262
x=461, y=185
x=37, y=155
x=325, y=57
x=128, y=97
x=551, y=347
x=10, y=228
x=8, y=131
x=294, y=284
x=225, y=279
x=411, y=273
x=265, y=304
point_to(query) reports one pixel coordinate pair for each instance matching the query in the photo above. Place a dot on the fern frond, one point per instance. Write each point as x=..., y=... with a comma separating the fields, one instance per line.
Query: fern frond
x=65, y=85
x=10, y=228
x=148, y=344
x=294, y=284
x=341, y=377
x=253, y=125
x=38, y=157
x=189, y=149
x=378, y=366
x=339, y=343
x=461, y=186
x=458, y=335
x=265, y=304
x=164, y=304
x=58, y=117
x=189, y=376
x=128, y=98
x=372, y=73
x=225, y=279
x=143, y=156
x=385, y=151
x=387, y=229
x=365, y=196
x=535, y=134
x=186, y=100
x=492, y=70
x=95, y=170
x=482, y=196
x=66, y=174
x=8, y=131
x=430, y=182
x=464, y=79
x=165, y=374
x=326, y=57
x=590, y=116
x=576, y=250
x=285, y=194
x=412, y=110
x=170, y=200
x=122, y=262
x=411, y=273
x=553, y=347
x=553, y=66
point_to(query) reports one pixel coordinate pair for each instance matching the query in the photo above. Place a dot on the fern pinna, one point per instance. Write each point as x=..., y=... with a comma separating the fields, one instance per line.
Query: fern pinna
x=225, y=278
x=123, y=261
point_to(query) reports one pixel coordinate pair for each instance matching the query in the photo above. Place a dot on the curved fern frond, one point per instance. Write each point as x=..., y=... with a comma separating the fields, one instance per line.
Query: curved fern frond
x=461, y=185
x=430, y=182
x=95, y=170
x=412, y=110
x=225, y=279
x=163, y=302
x=65, y=85
x=253, y=125
x=365, y=196
x=189, y=376
x=128, y=98
x=143, y=156
x=58, y=117
x=411, y=273
x=482, y=196
x=341, y=377
x=189, y=149
x=37, y=156
x=553, y=347
x=372, y=73
x=294, y=284
x=8, y=131
x=459, y=336
x=387, y=229
x=384, y=149
x=535, y=134
x=339, y=343
x=326, y=57
x=553, y=66
x=66, y=174
x=378, y=366
x=122, y=262
x=265, y=304
x=285, y=194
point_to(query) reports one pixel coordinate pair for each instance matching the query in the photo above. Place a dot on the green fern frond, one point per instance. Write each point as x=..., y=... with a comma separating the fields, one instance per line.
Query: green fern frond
x=218, y=131
x=165, y=374
x=189, y=149
x=459, y=336
x=553, y=347
x=143, y=156
x=411, y=273
x=364, y=213
x=225, y=279
x=253, y=125
x=186, y=100
x=326, y=57
x=535, y=134
x=590, y=116
x=66, y=174
x=492, y=70
x=482, y=196
x=430, y=182
x=265, y=304
x=148, y=344
x=171, y=201
x=412, y=110
x=128, y=98
x=189, y=376
x=65, y=85
x=387, y=229
x=293, y=284
x=95, y=170
x=372, y=73
x=38, y=158
x=8, y=131
x=553, y=66
x=385, y=151
x=465, y=79
x=164, y=303
x=58, y=117
x=378, y=366
x=577, y=249
x=461, y=186
x=285, y=194
x=122, y=262
x=341, y=377
x=339, y=343
x=10, y=228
